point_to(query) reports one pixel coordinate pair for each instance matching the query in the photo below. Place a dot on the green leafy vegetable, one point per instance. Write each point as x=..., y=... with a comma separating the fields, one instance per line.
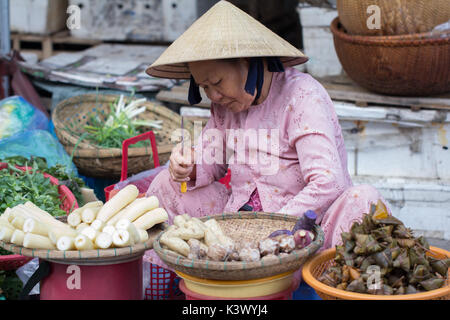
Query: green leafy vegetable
x=60, y=172
x=18, y=187
x=121, y=124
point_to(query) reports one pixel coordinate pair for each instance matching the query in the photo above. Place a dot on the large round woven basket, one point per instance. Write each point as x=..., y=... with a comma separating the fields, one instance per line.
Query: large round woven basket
x=94, y=256
x=242, y=227
x=396, y=17
x=71, y=115
x=314, y=268
x=410, y=65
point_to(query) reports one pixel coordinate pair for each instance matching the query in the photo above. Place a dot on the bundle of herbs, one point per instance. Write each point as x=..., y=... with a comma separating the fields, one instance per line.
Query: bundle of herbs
x=120, y=124
x=18, y=187
x=381, y=256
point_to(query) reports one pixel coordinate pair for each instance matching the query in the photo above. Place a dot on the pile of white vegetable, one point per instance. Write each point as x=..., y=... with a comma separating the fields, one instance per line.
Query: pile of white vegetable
x=122, y=221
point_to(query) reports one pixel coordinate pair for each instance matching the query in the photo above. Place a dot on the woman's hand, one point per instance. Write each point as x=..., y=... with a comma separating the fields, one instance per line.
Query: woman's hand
x=182, y=165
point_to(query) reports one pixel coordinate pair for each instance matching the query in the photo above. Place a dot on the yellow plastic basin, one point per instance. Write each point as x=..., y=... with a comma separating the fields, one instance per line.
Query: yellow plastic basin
x=239, y=289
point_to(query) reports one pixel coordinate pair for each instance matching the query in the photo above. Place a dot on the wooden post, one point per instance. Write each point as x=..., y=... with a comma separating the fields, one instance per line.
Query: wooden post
x=47, y=47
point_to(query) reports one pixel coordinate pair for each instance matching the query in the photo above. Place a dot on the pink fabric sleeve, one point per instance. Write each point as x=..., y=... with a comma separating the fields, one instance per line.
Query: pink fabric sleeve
x=208, y=171
x=311, y=131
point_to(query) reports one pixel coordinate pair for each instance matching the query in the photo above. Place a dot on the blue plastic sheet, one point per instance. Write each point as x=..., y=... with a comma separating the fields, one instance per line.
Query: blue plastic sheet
x=36, y=143
x=18, y=115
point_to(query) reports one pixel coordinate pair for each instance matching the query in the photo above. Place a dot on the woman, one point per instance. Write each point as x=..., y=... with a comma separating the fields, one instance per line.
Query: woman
x=285, y=118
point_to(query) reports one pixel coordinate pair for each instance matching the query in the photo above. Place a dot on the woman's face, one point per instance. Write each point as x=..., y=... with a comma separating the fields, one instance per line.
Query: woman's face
x=224, y=82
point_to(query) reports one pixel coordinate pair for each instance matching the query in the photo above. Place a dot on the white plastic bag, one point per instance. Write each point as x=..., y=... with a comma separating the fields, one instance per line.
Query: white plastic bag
x=26, y=271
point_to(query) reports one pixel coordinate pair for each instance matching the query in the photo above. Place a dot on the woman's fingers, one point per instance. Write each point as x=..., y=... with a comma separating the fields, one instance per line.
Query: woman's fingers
x=181, y=163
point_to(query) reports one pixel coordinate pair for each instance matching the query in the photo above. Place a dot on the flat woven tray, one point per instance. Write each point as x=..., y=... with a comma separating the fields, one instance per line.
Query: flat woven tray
x=97, y=256
x=243, y=227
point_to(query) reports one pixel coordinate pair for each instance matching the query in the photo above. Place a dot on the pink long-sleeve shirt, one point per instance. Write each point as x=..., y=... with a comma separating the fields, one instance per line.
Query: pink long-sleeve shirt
x=293, y=155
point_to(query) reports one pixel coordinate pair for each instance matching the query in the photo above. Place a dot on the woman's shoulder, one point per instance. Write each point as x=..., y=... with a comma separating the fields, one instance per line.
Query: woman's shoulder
x=293, y=80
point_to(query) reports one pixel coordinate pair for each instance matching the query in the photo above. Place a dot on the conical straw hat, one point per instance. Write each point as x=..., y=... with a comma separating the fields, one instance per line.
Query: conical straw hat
x=223, y=32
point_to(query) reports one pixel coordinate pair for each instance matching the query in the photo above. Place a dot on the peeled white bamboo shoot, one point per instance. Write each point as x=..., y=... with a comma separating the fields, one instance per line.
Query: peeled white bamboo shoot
x=36, y=241
x=31, y=205
x=89, y=214
x=74, y=219
x=5, y=223
x=6, y=233
x=83, y=243
x=36, y=227
x=143, y=235
x=122, y=238
x=65, y=243
x=97, y=224
x=5, y=214
x=55, y=233
x=45, y=217
x=125, y=224
x=151, y=218
x=81, y=226
x=18, y=222
x=136, y=209
x=17, y=237
x=90, y=232
x=93, y=204
x=109, y=229
x=122, y=212
x=103, y=240
x=118, y=202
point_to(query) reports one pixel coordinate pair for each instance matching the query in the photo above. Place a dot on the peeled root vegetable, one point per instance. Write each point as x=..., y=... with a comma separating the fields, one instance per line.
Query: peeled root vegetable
x=109, y=229
x=83, y=243
x=81, y=226
x=74, y=219
x=135, y=209
x=17, y=237
x=97, y=224
x=6, y=233
x=89, y=214
x=90, y=232
x=5, y=214
x=143, y=235
x=176, y=244
x=33, y=226
x=18, y=222
x=125, y=224
x=55, y=233
x=122, y=238
x=35, y=241
x=151, y=218
x=103, y=240
x=65, y=243
x=45, y=218
x=118, y=202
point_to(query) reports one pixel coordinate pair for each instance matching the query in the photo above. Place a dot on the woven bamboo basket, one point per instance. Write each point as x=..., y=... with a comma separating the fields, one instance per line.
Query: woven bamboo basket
x=94, y=161
x=396, y=17
x=410, y=65
x=315, y=267
x=244, y=227
x=95, y=256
